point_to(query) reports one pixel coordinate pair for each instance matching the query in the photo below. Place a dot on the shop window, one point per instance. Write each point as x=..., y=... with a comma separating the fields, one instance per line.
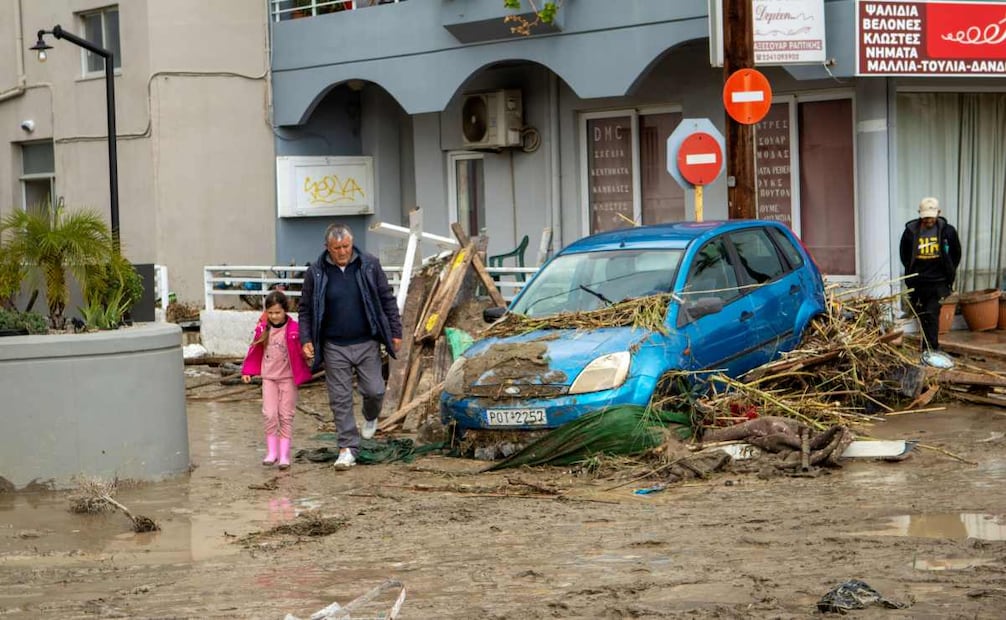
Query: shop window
x=101, y=28
x=804, y=154
x=626, y=177
x=38, y=175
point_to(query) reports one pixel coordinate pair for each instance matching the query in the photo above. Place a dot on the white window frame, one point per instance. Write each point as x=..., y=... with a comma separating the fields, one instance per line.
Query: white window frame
x=824, y=95
x=80, y=18
x=637, y=190
x=37, y=176
x=453, y=157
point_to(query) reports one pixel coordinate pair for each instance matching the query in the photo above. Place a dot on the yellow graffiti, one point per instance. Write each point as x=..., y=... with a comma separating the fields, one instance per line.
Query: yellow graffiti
x=432, y=321
x=330, y=189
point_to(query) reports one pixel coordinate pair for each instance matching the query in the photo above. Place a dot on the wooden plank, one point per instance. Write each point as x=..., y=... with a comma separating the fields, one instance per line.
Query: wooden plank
x=441, y=359
x=398, y=418
x=399, y=365
x=432, y=325
x=479, y=265
x=960, y=377
x=412, y=377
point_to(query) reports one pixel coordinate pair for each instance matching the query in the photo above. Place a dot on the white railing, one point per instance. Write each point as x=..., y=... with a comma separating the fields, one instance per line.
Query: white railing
x=282, y=10
x=244, y=287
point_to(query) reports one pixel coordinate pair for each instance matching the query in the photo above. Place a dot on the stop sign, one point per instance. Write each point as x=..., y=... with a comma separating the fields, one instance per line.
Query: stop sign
x=700, y=158
x=747, y=96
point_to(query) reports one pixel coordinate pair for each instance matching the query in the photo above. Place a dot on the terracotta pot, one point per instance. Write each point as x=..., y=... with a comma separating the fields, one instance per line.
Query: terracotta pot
x=948, y=308
x=981, y=309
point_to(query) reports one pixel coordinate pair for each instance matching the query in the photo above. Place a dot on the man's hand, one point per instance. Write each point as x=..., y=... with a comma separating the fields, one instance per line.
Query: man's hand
x=245, y=378
x=308, y=350
x=396, y=343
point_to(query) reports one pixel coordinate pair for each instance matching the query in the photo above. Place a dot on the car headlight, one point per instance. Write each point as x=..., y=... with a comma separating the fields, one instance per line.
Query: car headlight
x=606, y=372
x=454, y=382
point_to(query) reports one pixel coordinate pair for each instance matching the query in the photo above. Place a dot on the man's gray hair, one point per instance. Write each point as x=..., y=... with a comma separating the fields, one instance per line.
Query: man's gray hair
x=337, y=232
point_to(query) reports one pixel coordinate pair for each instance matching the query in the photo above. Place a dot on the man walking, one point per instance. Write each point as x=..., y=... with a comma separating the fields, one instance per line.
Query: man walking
x=930, y=253
x=347, y=310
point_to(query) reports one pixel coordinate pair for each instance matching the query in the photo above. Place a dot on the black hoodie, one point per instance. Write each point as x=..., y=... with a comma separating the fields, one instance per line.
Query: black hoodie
x=950, y=251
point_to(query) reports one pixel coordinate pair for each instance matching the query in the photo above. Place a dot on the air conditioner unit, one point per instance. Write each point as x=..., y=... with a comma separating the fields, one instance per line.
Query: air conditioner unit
x=492, y=120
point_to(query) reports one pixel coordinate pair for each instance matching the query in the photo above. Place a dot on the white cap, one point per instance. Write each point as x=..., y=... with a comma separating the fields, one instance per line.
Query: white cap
x=929, y=207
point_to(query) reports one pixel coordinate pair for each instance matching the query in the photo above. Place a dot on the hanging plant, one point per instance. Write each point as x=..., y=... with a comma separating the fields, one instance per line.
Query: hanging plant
x=522, y=25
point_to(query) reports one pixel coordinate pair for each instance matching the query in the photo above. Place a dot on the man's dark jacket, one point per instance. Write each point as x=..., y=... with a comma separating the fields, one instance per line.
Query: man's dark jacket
x=378, y=302
x=950, y=248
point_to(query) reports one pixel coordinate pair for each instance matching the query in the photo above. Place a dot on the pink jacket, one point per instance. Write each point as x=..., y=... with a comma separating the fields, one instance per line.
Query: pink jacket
x=253, y=360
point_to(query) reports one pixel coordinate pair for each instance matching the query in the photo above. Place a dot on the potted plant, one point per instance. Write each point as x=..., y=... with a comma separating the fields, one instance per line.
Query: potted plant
x=52, y=245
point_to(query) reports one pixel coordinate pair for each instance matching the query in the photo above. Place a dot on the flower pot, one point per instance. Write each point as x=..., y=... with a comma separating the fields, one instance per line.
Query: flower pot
x=981, y=309
x=948, y=308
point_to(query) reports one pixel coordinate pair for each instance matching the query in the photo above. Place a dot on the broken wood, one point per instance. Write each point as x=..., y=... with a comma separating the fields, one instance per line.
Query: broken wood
x=480, y=267
x=398, y=418
x=398, y=366
x=432, y=325
x=960, y=377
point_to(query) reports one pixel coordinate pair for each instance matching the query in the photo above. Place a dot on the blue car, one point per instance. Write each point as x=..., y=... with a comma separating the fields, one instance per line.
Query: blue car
x=742, y=291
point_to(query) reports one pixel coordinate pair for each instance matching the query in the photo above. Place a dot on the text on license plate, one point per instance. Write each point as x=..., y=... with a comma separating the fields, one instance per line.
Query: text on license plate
x=515, y=417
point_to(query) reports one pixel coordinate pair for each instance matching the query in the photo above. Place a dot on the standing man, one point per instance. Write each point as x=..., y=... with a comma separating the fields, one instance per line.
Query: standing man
x=347, y=310
x=930, y=252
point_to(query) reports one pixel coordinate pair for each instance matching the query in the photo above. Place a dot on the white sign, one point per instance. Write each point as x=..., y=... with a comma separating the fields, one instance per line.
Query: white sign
x=785, y=32
x=311, y=186
x=788, y=31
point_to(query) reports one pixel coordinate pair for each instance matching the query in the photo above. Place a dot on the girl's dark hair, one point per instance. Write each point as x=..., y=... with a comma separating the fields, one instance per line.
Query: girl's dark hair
x=275, y=298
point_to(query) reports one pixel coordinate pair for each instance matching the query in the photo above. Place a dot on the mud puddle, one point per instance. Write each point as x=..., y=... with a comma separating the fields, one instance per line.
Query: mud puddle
x=954, y=526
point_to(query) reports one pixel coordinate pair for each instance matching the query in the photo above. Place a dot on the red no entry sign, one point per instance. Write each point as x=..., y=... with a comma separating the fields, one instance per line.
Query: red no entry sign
x=747, y=96
x=700, y=158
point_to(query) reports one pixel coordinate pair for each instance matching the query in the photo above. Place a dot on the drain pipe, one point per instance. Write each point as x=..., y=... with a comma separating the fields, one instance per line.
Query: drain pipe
x=554, y=163
x=22, y=79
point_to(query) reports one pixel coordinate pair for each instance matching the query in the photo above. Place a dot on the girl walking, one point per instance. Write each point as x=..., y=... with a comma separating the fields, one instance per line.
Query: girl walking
x=275, y=353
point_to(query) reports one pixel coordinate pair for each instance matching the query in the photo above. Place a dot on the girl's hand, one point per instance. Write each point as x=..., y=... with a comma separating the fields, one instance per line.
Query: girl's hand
x=308, y=350
x=245, y=378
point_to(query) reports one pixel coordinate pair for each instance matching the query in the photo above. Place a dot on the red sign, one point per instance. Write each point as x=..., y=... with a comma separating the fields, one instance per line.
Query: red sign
x=747, y=96
x=700, y=158
x=930, y=38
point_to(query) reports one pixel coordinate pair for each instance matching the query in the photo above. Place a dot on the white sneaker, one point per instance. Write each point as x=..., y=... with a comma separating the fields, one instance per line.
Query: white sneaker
x=345, y=460
x=937, y=359
x=369, y=428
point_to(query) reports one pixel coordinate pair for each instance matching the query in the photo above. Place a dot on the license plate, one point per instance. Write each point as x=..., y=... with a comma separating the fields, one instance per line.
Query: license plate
x=516, y=417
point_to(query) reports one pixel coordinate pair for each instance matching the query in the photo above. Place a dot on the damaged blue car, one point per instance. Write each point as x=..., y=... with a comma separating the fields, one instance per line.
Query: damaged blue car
x=739, y=293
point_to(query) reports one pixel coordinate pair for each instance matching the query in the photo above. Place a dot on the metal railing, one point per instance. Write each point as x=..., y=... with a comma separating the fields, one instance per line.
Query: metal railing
x=244, y=287
x=282, y=10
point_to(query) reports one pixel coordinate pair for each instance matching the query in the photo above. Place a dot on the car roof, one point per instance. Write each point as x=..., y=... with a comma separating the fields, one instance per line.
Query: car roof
x=671, y=235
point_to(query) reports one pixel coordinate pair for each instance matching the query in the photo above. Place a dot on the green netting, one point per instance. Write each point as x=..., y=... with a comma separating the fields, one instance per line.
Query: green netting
x=371, y=451
x=459, y=340
x=622, y=430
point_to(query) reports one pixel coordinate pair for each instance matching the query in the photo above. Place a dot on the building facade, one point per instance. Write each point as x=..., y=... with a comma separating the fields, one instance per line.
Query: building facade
x=843, y=156
x=195, y=144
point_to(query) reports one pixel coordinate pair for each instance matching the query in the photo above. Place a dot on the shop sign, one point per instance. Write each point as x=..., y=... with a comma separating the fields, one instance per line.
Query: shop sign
x=773, y=166
x=609, y=164
x=788, y=31
x=930, y=38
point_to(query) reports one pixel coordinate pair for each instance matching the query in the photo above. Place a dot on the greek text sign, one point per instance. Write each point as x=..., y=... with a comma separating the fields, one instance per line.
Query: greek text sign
x=310, y=186
x=788, y=31
x=930, y=38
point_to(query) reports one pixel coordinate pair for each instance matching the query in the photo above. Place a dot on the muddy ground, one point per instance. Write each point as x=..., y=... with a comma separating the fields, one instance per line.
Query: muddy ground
x=541, y=543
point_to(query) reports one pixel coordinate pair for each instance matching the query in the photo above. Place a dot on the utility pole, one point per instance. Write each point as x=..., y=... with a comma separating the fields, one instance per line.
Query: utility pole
x=738, y=53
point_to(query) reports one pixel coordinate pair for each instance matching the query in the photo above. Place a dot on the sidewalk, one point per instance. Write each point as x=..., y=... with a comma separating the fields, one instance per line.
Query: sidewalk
x=990, y=344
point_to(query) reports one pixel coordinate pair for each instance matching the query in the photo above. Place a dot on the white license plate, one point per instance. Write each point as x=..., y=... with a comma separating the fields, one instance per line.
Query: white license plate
x=516, y=417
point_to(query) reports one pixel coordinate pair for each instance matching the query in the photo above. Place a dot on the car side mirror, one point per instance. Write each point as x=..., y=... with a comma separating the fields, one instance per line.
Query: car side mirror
x=703, y=306
x=491, y=315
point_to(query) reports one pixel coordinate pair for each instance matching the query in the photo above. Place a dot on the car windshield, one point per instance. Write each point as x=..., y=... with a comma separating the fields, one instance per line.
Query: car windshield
x=591, y=280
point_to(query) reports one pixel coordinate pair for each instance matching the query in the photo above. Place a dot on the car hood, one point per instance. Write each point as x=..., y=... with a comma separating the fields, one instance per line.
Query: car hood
x=545, y=357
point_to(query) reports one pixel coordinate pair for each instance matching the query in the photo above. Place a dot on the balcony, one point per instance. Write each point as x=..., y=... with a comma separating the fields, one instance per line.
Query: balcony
x=283, y=10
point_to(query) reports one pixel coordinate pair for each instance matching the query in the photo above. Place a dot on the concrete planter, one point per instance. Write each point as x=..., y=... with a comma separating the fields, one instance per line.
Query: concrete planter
x=109, y=404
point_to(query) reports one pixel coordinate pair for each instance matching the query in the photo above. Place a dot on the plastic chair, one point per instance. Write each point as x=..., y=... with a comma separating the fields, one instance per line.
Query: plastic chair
x=517, y=253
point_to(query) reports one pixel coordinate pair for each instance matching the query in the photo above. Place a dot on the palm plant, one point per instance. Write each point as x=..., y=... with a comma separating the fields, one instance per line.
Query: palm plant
x=53, y=244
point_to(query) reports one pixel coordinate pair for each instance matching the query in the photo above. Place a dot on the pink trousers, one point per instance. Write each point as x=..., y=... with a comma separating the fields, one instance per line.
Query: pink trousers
x=279, y=401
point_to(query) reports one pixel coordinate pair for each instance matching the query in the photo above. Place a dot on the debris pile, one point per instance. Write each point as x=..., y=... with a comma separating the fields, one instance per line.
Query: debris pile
x=641, y=312
x=94, y=495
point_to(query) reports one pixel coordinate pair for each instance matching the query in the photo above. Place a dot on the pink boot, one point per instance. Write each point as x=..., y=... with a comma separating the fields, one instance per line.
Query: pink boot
x=272, y=450
x=284, y=452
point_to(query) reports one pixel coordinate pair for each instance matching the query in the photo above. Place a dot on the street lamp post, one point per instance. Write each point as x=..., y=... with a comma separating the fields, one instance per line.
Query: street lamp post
x=113, y=168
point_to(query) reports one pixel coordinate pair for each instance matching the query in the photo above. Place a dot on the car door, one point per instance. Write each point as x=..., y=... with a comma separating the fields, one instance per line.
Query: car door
x=721, y=340
x=773, y=289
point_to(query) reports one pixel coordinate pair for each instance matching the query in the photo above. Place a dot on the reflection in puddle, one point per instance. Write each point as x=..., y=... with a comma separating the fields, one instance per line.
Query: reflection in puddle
x=952, y=525
x=948, y=563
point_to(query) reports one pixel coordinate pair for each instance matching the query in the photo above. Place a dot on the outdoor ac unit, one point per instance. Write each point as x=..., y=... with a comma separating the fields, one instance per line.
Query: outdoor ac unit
x=492, y=120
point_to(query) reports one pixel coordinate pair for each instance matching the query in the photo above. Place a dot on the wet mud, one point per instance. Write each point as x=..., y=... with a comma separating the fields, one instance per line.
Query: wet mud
x=533, y=543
